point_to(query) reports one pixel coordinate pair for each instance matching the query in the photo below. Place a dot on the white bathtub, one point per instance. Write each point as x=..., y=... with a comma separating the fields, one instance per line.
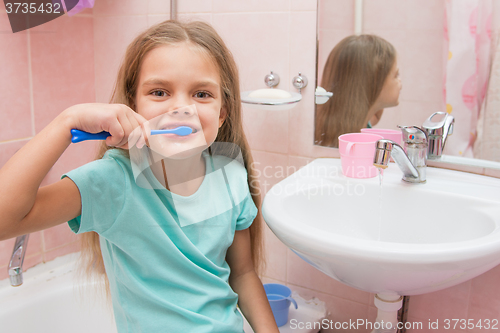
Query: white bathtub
x=54, y=299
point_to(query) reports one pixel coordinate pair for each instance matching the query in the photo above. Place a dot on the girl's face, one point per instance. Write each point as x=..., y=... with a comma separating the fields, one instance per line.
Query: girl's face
x=389, y=96
x=179, y=85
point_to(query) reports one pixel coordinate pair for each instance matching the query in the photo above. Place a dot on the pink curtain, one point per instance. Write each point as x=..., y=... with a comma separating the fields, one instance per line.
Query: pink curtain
x=468, y=34
x=487, y=145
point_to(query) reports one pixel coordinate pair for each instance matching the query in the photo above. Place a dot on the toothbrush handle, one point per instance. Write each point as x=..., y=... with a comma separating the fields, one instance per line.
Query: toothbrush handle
x=78, y=136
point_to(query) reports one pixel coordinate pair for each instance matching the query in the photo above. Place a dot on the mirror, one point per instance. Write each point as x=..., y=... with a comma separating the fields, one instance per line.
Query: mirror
x=416, y=30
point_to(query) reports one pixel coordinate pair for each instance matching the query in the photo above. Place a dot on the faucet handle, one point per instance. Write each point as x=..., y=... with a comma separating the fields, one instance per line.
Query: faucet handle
x=413, y=134
x=442, y=127
x=438, y=132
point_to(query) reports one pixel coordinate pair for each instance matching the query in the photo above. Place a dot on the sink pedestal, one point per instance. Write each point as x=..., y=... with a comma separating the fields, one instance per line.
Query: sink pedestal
x=387, y=316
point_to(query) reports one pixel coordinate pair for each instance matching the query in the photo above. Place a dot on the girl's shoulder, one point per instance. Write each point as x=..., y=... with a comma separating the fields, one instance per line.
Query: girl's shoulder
x=233, y=167
x=226, y=155
x=116, y=154
x=233, y=173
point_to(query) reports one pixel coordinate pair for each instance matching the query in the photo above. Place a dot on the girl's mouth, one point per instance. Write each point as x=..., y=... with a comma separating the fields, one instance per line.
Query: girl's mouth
x=170, y=127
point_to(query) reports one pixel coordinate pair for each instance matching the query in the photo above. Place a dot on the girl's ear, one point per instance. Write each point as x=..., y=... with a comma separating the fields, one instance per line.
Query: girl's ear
x=131, y=101
x=222, y=116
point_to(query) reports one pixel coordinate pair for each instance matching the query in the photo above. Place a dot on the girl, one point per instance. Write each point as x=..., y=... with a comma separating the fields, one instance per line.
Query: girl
x=175, y=260
x=362, y=73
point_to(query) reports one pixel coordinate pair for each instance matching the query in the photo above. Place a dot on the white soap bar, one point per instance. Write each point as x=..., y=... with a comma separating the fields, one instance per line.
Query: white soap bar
x=270, y=93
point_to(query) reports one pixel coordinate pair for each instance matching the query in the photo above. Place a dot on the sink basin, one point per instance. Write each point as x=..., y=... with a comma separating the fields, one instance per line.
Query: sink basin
x=386, y=236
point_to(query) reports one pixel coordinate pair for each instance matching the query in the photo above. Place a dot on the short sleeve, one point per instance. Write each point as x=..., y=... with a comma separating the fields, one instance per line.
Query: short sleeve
x=247, y=214
x=102, y=190
x=237, y=181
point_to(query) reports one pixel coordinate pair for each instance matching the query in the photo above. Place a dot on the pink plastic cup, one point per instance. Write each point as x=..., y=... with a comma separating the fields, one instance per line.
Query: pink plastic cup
x=356, y=154
x=389, y=134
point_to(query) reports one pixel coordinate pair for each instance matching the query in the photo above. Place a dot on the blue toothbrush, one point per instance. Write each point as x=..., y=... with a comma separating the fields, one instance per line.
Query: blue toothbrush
x=78, y=135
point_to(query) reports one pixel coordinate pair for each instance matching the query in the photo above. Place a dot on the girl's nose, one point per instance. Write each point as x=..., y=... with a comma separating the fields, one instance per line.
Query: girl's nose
x=179, y=105
x=183, y=111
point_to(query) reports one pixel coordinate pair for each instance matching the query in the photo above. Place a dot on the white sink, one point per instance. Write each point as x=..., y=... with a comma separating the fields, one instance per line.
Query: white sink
x=398, y=238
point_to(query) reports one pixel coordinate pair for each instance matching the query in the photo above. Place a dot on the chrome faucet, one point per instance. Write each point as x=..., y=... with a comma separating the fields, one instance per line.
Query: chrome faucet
x=412, y=159
x=437, y=132
x=17, y=259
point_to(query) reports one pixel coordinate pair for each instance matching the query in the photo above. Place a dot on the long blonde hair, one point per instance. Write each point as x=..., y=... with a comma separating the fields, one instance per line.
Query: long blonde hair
x=204, y=36
x=355, y=72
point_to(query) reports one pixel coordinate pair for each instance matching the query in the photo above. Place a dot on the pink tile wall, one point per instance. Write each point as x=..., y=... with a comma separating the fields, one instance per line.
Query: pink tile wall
x=16, y=112
x=116, y=23
x=415, y=28
x=44, y=71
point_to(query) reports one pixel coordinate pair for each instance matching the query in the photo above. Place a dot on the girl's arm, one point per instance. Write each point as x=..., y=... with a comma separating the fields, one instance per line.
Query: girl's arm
x=252, y=298
x=24, y=207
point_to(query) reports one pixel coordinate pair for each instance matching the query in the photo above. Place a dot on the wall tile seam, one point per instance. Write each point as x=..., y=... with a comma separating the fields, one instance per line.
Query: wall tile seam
x=413, y=319
x=2, y=267
x=32, y=255
x=95, y=16
x=4, y=11
x=198, y=13
x=256, y=12
x=269, y=152
x=193, y=13
x=45, y=253
x=83, y=16
x=328, y=293
x=288, y=250
x=273, y=278
x=30, y=82
x=15, y=140
x=298, y=156
x=289, y=88
x=469, y=298
x=58, y=247
x=69, y=245
x=366, y=30
x=420, y=101
x=42, y=244
x=37, y=254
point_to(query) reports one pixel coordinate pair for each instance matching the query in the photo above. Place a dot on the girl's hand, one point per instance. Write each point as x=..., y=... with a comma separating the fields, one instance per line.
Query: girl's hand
x=117, y=119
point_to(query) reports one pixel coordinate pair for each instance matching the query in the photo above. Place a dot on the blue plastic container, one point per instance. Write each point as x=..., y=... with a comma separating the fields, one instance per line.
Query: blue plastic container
x=279, y=297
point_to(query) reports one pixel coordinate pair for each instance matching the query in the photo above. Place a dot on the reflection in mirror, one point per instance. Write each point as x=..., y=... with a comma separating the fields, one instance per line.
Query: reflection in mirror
x=448, y=53
x=362, y=74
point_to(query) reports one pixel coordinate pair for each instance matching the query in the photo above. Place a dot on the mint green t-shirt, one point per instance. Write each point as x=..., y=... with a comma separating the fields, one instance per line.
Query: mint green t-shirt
x=164, y=254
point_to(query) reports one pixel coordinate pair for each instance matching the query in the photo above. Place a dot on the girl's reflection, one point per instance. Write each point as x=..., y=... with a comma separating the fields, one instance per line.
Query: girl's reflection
x=363, y=75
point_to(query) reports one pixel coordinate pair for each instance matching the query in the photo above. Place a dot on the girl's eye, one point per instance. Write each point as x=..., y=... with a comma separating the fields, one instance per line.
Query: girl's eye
x=159, y=93
x=202, y=94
